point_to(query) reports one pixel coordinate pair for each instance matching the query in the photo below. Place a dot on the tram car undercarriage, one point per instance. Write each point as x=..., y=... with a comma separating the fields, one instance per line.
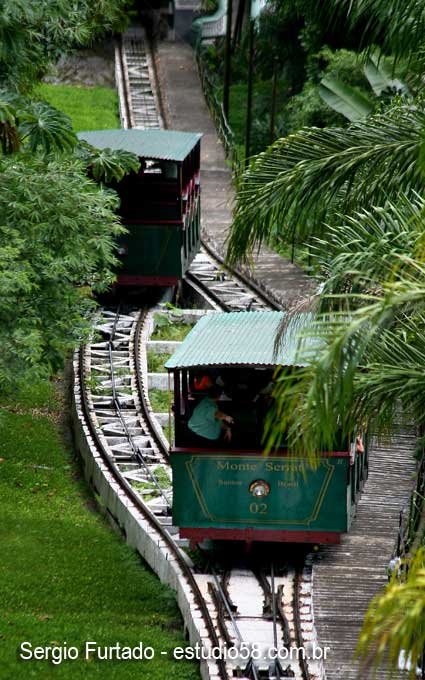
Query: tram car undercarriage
x=225, y=487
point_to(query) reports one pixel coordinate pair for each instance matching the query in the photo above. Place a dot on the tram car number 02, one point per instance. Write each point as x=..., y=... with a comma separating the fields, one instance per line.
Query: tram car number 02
x=224, y=486
x=258, y=508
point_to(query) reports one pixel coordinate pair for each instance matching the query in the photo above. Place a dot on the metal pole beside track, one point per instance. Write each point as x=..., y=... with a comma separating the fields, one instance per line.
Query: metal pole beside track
x=227, y=60
x=249, y=94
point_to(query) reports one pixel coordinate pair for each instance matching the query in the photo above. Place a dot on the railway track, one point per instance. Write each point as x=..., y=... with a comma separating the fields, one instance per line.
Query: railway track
x=259, y=611
x=125, y=454
x=246, y=610
x=135, y=74
x=223, y=288
x=113, y=417
x=251, y=611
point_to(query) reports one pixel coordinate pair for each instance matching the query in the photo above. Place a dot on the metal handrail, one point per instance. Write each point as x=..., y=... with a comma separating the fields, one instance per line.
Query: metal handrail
x=221, y=123
x=409, y=520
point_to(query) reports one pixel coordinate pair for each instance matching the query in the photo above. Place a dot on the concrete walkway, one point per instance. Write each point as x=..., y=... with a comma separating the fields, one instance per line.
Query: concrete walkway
x=186, y=110
x=347, y=576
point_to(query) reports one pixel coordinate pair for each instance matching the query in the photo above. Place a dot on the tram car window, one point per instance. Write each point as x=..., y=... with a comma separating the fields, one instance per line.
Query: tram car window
x=224, y=486
x=159, y=204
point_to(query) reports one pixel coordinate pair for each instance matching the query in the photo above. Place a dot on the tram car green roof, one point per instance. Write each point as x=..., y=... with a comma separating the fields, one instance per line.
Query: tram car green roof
x=165, y=145
x=244, y=339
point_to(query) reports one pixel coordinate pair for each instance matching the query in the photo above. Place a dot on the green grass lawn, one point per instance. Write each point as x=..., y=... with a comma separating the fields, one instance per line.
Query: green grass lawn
x=156, y=361
x=90, y=108
x=171, y=330
x=65, y=576
x=262, y=91
x=159, y=400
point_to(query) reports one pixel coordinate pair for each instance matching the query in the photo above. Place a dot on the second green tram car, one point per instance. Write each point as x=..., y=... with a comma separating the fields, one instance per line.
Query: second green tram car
x=160, y=203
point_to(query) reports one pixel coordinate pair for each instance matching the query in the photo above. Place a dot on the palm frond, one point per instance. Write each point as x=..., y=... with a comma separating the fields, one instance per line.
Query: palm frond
x=395, y=622
x=371, y=247
x=305, y=179
x=46, y=128
x=107, y=165
x=367, y=349
x=397, y=25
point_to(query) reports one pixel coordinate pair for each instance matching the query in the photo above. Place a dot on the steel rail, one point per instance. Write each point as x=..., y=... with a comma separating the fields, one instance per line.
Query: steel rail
x=251, y=667
x=190, y=277
x=272, y=603
x=139, y=381
x=136, y=451
x=266, y=298
x=123, y=79
x=277, y=611
x=243, y=286
x=297, y=623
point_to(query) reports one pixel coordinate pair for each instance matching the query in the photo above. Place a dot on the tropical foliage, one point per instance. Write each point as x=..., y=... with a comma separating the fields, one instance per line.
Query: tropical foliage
x=57, y=230
x=314, y=175
x=352, y=102
x=107, y=165
x=369, y=370
x=34, y=123
x=397, y=25
x=33, y=33
x=57, y=226
x=56, y=245
x=386, y=629
x=324, y=73
x=355, y=195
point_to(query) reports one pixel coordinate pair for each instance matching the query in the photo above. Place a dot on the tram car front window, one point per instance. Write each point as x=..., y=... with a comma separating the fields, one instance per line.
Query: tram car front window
x=243, y=395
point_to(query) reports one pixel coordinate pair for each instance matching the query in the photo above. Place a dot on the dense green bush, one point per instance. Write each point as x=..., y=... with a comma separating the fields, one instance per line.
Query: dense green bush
x=57, y=232
x=307, y=109
x=35, y=32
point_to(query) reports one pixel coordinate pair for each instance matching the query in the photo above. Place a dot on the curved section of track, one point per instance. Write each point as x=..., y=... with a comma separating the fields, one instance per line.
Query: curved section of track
x=126, y=460
x=124, y=464
x=225, y=289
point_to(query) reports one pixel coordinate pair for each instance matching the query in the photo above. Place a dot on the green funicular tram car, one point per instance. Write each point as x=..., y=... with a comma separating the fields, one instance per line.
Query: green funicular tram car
x=160, y=204
x=225, y=487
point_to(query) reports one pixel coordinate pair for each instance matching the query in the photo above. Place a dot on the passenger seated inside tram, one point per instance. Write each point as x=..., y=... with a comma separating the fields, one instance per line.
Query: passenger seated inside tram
x=207, y=421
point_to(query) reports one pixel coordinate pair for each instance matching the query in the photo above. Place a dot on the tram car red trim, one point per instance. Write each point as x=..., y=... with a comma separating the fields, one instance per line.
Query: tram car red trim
x=266, y=536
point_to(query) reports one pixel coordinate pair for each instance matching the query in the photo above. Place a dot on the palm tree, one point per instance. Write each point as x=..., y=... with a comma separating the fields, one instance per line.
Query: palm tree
x=303, y=181
x=368, y=352
x=355, y=196
x=395, y=621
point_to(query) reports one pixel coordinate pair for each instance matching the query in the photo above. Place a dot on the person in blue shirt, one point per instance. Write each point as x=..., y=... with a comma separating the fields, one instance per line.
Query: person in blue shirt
x=208, y=421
